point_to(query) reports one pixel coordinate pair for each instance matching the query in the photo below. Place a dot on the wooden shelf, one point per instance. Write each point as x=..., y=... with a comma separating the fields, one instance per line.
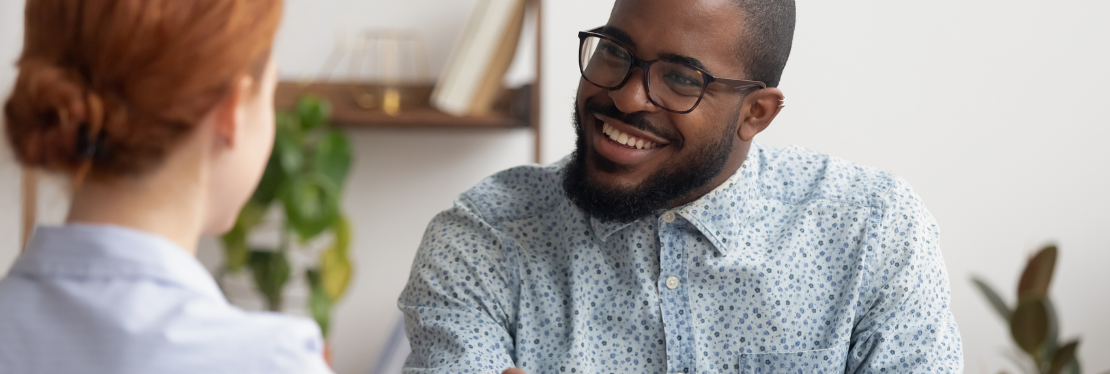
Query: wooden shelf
x=512, y=110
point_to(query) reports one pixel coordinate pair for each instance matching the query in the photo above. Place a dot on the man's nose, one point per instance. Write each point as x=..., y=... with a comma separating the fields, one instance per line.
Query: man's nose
x=632, y=97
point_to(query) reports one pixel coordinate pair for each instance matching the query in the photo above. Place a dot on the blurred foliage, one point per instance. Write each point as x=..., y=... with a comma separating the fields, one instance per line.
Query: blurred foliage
x=305, y=175
x=1033, y=322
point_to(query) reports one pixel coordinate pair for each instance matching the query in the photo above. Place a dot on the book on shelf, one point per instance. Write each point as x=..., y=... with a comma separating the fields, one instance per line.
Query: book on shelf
x=472, y=79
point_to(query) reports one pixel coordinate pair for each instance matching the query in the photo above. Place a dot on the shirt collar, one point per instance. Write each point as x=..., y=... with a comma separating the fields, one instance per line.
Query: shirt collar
x=113, y=252
x=714, y=214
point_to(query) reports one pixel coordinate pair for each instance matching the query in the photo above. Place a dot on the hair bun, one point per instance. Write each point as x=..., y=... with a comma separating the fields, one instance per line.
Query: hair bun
x=114, y=102
x=44, y=115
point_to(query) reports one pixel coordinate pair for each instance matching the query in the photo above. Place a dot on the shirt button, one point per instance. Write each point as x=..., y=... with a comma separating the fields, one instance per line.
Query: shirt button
x=672, y=282
x=668, y=217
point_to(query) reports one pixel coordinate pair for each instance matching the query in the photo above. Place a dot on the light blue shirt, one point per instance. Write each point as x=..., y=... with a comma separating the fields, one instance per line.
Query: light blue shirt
x=103, y=299
x=798, y=263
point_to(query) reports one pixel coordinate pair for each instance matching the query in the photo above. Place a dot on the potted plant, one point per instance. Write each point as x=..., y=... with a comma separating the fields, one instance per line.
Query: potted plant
x=304, y=179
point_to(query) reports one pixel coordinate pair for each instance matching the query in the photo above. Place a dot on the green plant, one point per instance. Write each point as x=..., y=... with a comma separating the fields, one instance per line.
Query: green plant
x=305, y=176
x=1033, y=322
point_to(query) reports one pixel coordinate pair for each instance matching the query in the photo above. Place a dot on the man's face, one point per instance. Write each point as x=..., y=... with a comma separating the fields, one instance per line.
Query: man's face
x=614, y=181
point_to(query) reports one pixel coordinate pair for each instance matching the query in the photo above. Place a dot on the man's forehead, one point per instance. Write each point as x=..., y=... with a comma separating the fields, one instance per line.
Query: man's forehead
x=707, y=30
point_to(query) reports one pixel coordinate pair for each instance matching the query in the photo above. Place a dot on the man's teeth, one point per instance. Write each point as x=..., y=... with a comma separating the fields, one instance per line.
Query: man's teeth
x=626, y=139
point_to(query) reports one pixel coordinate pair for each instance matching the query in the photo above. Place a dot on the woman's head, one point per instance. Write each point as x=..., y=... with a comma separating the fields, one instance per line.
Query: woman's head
x=110, y=89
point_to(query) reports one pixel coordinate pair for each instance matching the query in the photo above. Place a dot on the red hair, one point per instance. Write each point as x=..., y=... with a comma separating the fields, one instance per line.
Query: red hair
x=115, y=84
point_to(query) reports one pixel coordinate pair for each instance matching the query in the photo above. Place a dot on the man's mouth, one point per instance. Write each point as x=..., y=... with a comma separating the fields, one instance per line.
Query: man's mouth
x=621, y=138
x=624, y=144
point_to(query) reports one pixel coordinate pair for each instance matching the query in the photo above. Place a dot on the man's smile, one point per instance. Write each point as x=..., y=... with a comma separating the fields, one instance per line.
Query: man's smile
x=622, y=143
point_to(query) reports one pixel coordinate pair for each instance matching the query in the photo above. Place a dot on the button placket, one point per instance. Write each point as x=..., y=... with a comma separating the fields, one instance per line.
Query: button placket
x=673, y=298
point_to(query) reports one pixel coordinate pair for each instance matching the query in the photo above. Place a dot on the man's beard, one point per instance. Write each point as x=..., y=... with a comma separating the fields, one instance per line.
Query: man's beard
x=674, y=180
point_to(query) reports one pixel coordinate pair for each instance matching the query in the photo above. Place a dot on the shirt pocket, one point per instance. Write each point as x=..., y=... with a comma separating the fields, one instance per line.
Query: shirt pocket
x=831, y=360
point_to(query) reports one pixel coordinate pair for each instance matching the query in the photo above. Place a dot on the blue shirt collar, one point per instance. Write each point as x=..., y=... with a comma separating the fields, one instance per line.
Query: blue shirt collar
x=720, y=225
x=113, y=252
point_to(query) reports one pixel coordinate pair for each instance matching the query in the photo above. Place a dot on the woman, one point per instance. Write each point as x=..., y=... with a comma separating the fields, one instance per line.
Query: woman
x=161, y=112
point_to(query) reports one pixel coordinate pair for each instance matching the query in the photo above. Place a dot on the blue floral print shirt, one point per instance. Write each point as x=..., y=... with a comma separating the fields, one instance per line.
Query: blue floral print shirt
x=799, y=263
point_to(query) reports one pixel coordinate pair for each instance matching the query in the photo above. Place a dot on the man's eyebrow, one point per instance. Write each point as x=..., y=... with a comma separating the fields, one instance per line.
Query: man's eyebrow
x=623, y=37
x=619, y=35
x=671, y=57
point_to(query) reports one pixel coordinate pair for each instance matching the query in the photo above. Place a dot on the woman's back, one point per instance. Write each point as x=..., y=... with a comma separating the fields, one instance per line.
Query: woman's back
x=104, y=299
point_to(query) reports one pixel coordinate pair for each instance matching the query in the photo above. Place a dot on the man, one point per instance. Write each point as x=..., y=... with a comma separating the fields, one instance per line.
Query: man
x=669, y=242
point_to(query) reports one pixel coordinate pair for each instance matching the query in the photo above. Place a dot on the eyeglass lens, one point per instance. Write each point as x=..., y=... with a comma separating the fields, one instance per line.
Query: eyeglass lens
x=670, y=85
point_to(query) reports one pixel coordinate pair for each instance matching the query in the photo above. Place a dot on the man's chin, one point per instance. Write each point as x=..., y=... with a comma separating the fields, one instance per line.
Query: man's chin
x=615, y=185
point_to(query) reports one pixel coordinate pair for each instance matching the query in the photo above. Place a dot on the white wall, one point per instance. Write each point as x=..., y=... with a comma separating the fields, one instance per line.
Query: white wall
x=11, y=37
x=994, y=111
x=562, y=20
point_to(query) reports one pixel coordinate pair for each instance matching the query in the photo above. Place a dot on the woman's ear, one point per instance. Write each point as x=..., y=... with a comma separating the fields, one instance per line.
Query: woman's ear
x=760, y=108
x=229, y=114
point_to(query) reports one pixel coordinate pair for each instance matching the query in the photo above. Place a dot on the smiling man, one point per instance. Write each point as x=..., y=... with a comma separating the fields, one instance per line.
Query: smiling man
x=669, y=242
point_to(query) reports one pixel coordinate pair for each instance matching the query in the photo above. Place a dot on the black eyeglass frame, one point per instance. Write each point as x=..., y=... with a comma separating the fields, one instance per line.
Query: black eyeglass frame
x=645, y=65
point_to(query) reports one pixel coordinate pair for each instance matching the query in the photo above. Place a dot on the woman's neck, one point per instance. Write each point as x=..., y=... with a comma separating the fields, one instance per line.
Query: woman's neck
x=166, y=202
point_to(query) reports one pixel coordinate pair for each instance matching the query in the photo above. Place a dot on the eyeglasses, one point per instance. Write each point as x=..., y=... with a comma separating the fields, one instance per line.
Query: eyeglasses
x=673, y=86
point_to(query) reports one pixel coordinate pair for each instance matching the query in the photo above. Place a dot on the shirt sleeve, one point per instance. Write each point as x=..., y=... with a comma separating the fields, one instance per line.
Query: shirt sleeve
x=459, y=302
x=906, y=325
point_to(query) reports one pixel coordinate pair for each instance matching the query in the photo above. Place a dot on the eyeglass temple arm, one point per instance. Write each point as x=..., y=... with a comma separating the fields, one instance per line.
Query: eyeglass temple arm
x=741, y=83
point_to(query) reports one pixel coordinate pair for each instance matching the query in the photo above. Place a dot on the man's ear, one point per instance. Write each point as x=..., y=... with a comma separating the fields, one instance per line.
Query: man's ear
x=229, y=114
x=760, y=108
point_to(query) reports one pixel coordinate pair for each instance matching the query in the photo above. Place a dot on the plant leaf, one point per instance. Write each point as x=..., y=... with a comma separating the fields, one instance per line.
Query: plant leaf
x=271, y=271
x=342, y=227
x=1038, y=274
x=311, y=204
x=287, y=124
x=992, y=297
x=289, y=155
x=335, y=264
x=333, y=157
x=335, y=273
x=1029, y=325
x=1064, y=357
x=312, y=111
x=1052, y=337
x=318, y=302
x=271, y=181
x=251, y=215
x=236, y=253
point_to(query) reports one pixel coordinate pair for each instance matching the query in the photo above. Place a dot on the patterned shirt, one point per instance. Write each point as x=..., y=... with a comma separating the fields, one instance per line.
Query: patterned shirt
x=799, y=263
x=108, y=299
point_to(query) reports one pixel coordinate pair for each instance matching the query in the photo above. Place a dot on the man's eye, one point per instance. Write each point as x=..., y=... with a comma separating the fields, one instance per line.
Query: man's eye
x=682, y=79
x=614, y=51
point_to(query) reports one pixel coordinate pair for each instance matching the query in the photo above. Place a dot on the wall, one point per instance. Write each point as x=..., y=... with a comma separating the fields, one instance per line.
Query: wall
x=994, y=111
x=11, y=37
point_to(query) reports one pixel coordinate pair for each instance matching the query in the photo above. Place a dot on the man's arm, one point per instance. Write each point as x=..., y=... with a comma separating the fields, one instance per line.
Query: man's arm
x=905, y=324
x=460, y=303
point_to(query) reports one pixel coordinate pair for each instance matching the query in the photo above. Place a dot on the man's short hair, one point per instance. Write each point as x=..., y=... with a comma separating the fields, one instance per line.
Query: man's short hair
x=769, y=32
